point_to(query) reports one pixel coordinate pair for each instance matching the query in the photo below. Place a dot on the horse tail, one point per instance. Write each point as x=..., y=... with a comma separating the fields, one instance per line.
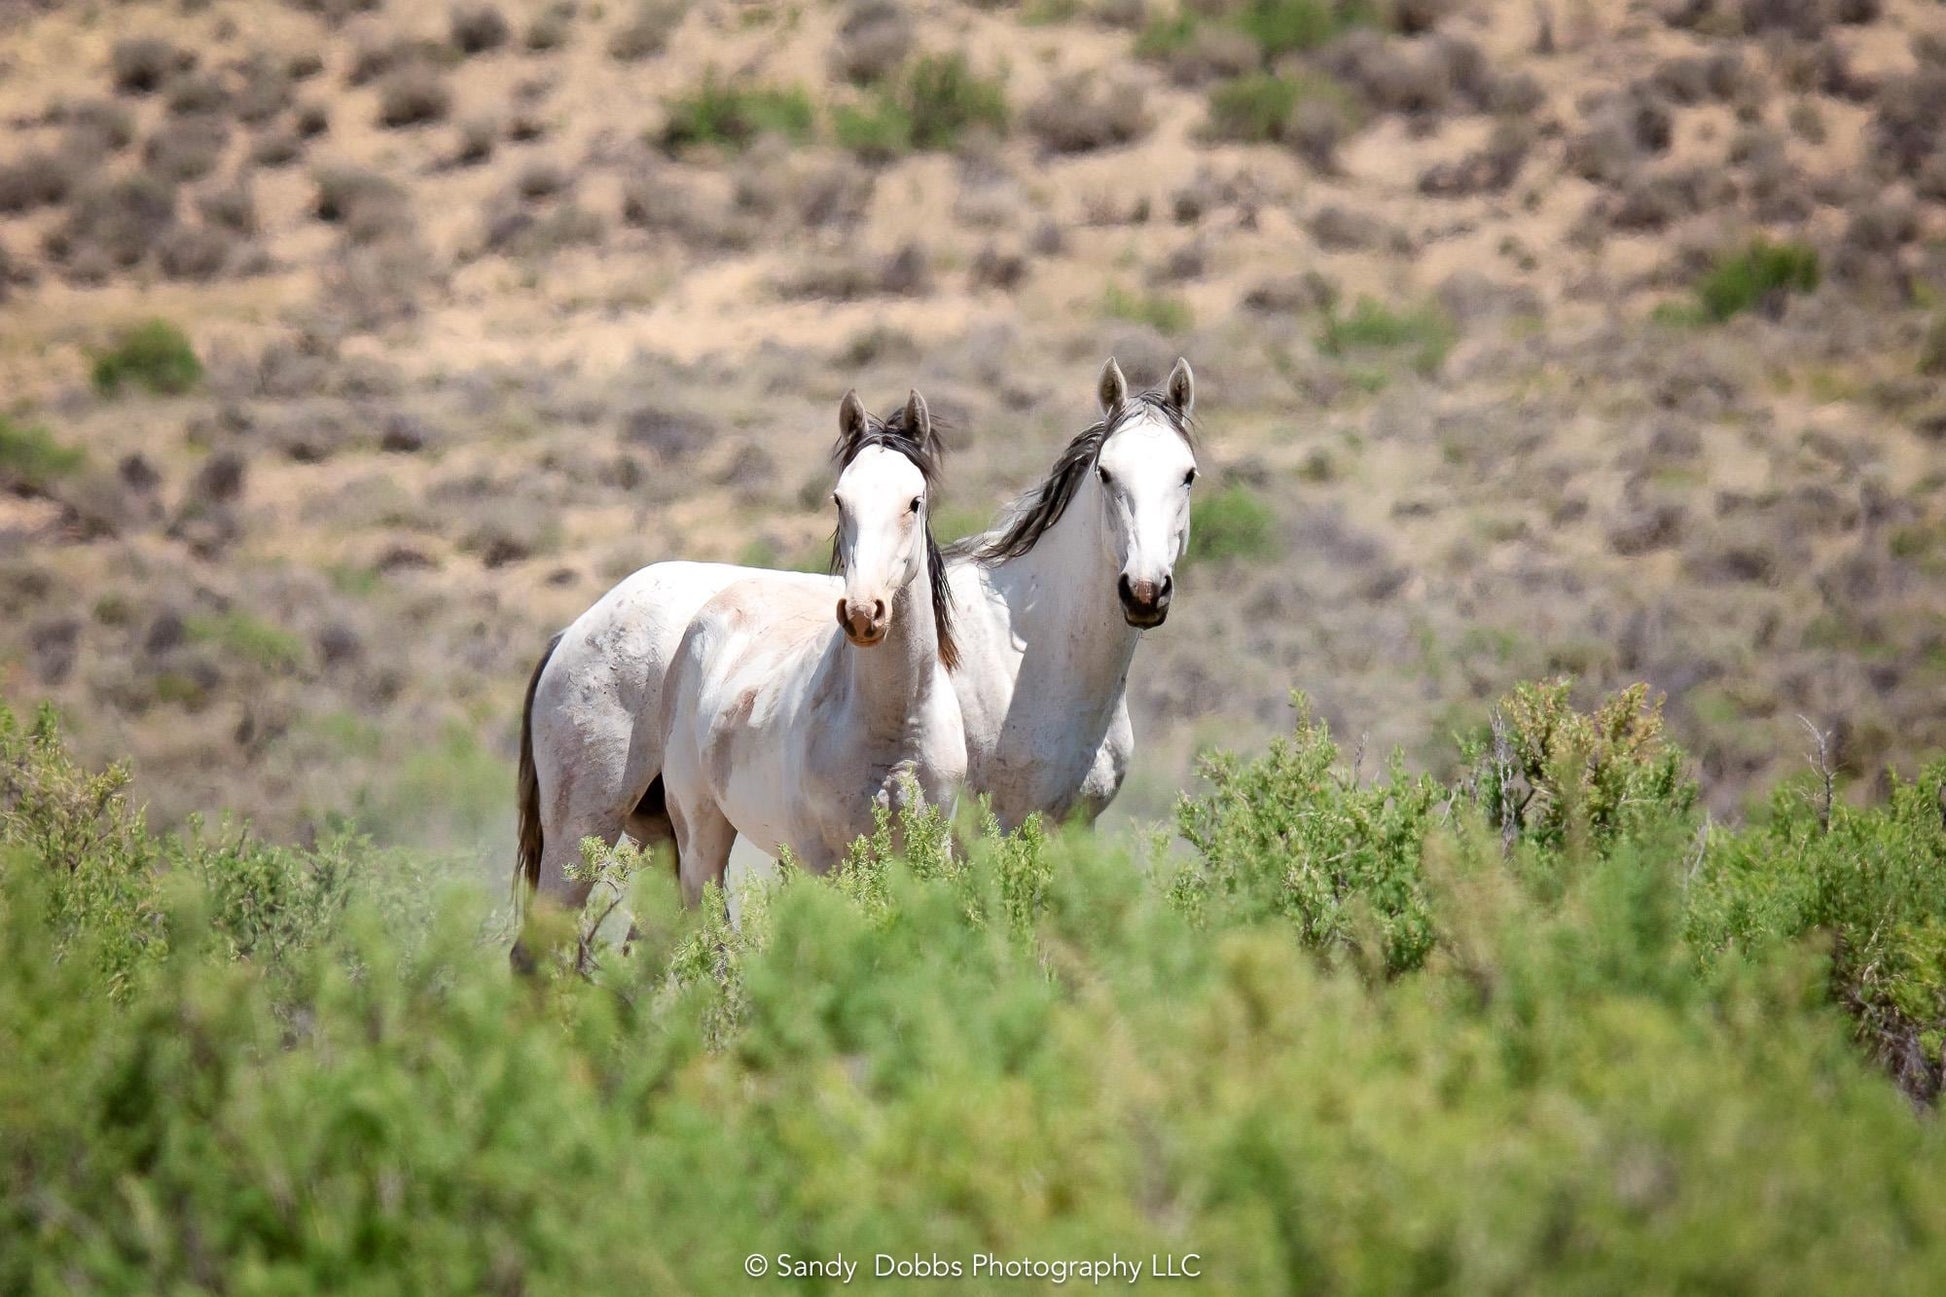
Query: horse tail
x=527, y=860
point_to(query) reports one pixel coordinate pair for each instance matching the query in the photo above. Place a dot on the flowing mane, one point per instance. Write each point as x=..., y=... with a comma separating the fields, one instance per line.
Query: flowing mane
x=927, y=454
x=1031, y=516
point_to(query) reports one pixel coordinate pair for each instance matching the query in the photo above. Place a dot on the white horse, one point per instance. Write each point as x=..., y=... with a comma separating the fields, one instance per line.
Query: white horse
x=1047, y=611
x=777, y=729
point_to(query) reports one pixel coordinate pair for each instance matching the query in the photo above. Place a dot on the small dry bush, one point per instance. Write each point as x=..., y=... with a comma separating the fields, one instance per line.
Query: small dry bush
x=186, y=148
x=647, y=30
x=369, y=207
x=873, y=41
x=37, y=178
x=476, y=28
x=1085, y=112
x=112, y=223
x=414, y=95
x=142, y=65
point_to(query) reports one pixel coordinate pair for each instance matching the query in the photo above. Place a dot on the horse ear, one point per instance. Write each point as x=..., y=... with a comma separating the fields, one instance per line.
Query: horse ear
x=918, y=419
x=1182, y=387
x=851, y=416
x=1113, y=389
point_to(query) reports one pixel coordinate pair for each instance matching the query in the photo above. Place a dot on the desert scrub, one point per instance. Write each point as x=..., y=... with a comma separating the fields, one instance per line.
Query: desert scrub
x=101, y=880
x=1874, y=882
x=155, y=355
x=1759, y=276
x=731, y=116
x=1291, y=1036
x=945, y=98
x=1283, y=26
x=31, y=458
x=929, y=107
x=1262, y=108
x=1233, y=523
x=1291, y=836
x=1932, y=352
x=1275, y=27
x=1160, y=311
x=1423, y=334
x=647, y=30
x=1547, y=772
x=249, y=639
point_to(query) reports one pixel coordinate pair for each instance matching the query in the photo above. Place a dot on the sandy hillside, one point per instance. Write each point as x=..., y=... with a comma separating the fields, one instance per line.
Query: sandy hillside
x=1596, y=339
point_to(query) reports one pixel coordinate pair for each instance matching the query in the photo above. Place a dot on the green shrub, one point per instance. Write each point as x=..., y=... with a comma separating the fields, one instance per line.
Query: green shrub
x=1932, y=353
x=155, y=355
x=1161, y=312
x=1289, y=836
x=1547, y=772
x=1426, y=332
x=1758, y=275
x=877, y=130
x=1284, y=26
x=1874, y=881
x=935, y=102
x=1254, y=109
x=250, y=639
x=1355, y=1037
x=1233, y=523
x=945, y=98
x=104, y=897
x=1278, y=27
x=31, y=457
x=1166, y=33
x=1262, y=108
x=732, y=116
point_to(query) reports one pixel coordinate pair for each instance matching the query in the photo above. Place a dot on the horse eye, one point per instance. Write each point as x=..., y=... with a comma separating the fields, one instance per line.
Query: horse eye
x=1189, y=478
x=1103, y=474
x=915, y=504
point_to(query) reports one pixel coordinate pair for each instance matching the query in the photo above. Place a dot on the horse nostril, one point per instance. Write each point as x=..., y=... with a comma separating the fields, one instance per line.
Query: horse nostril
x=1126, y=590
x=842, y=619
x=878, y=612
x=1168, y=584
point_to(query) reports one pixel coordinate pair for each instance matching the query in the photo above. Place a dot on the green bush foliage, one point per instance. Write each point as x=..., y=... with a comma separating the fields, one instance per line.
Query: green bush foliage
x=1760, y=274
x=1233, y=523
x=1278, y=27
x=930, y=107
x=154, y=355
x=945, y=98
x=1283, y=26
x=1355, y=1035
x=732, y=116
x=32, y=458
x=1423, y=334
x=1160, y=311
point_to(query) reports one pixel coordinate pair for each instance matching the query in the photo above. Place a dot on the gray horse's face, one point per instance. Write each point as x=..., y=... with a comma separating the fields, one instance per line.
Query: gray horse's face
x=882, y=506
x=1144, y=474
x=1143, y=477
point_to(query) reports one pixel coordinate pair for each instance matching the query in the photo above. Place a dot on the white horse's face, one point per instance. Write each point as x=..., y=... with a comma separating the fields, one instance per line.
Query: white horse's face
x=1143, y=477
x=882, y=508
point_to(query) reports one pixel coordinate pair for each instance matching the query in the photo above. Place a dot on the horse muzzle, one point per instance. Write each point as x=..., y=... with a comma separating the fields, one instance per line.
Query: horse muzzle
x=1145, y=604
x=864, y=623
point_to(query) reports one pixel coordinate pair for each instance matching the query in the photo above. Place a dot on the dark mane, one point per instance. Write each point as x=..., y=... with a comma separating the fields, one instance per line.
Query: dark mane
x=1031, y=516
x=927, y=454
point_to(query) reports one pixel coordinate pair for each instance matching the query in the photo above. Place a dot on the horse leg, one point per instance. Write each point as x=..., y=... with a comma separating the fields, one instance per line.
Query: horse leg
x=703, y=841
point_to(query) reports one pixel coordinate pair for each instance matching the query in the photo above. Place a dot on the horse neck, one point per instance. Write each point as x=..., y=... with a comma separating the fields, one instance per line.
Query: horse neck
x=1062, y=598
x=888, y=678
